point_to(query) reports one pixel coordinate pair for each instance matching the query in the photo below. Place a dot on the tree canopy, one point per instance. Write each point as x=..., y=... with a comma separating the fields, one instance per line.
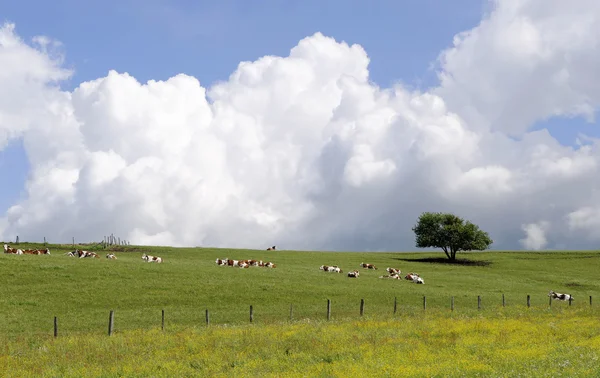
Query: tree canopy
x=450, y=233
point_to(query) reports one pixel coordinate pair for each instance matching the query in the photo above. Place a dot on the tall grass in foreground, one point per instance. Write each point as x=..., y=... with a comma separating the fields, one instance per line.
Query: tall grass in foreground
x=434, y=344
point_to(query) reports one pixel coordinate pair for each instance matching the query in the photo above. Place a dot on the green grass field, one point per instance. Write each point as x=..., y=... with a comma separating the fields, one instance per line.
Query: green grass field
x=81, y=292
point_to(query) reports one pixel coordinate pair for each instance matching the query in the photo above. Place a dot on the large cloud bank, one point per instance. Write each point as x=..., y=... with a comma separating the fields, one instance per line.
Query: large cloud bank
x=304, y=152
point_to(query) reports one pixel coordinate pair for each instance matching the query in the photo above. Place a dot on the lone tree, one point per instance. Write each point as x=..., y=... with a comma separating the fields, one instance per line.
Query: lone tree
x=450, y=233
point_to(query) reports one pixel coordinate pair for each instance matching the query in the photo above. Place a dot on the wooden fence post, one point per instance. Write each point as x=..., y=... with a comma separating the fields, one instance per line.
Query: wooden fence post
x=452, y=304
x=362, y=307
x=590, y=301
x=479, y=302
x=328, y=309
x=503, y=302
x=207, y=318
x=291, y=311
x=251, y=314
x=570, y=300
x=162, y=323
x=395, y=305
x=55, y=327
x=424, y=303
x=111, y=319
x=528, y=300
x=73, y=241
x=17, y=240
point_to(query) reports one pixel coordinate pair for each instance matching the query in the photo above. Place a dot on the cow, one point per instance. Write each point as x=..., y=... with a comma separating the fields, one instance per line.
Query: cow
x=82, y=254
x=111, y=256
x=393, y=271
x=354, y=274
x=368, y=266
x=327, y=268
x=392, y=276
x=270, y=265
x=149, y=258
x=45, y=251
x=561, y=297
x=415, y=278
x=221, y=261
x=15, y=251
x=271, y=248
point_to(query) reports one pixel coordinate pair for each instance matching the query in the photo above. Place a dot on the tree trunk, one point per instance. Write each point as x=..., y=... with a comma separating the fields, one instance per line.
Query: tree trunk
x=446, y=252
x=452, y=254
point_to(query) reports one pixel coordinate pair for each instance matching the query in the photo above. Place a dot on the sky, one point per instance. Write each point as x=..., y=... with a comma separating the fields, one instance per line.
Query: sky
x=302, y=124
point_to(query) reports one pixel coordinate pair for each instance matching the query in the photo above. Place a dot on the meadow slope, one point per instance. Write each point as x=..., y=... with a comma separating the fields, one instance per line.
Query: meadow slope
x=81, y=292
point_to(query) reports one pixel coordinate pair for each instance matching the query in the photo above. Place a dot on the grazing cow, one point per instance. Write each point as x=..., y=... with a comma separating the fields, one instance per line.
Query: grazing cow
x=560, y=297
x=111, y=256
x=354, y=274
x=149, y=258
x=270, y=265
x=368, y=266
x=393, y=270
x=392, y=276
x=271, y=248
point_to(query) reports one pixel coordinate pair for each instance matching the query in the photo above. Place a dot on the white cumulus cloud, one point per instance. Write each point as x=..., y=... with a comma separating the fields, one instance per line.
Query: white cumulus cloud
x=303, y=151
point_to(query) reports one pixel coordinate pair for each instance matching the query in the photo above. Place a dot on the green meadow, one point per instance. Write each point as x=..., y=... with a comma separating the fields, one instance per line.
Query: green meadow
x=557, y=340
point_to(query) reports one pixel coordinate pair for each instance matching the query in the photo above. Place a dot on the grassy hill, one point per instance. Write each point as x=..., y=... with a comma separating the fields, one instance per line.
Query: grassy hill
x=508, y=341
x=81, y=292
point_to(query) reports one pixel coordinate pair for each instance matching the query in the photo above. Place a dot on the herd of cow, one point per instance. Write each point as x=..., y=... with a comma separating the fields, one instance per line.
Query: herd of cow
x=76, y=253
x=16, y=251
x=244, y=263
x=393, y=272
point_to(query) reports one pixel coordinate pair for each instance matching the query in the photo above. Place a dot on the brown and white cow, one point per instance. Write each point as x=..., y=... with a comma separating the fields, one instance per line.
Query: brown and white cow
x=354, y=274
x=560, y=297
x=415, y=278
x=393, y=270
x=270, y=265
x=149, y=258
x=111, y=256
x=15, y=251
x=221, y=261
x=327, y=268
x=368, y=266
x=271, y=248
x=392, y=276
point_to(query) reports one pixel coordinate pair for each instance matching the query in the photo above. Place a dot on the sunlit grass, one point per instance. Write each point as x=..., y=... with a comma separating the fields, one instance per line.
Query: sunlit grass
x=528, y=343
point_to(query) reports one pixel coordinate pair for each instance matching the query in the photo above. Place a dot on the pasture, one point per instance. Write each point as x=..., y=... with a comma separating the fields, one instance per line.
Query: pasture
x=81, y=292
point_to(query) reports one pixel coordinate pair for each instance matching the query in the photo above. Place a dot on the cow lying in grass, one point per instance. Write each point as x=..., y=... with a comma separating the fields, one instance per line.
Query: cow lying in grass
x=560, y=297
x=392, y=276
x=82, y=254
x=14, y=251
x=111, y=256
x=368, y=266
x=245, y=263
x=149, y=258
x=414, y=277
x=393, y=271
x=327, y=268
x=354, y=274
